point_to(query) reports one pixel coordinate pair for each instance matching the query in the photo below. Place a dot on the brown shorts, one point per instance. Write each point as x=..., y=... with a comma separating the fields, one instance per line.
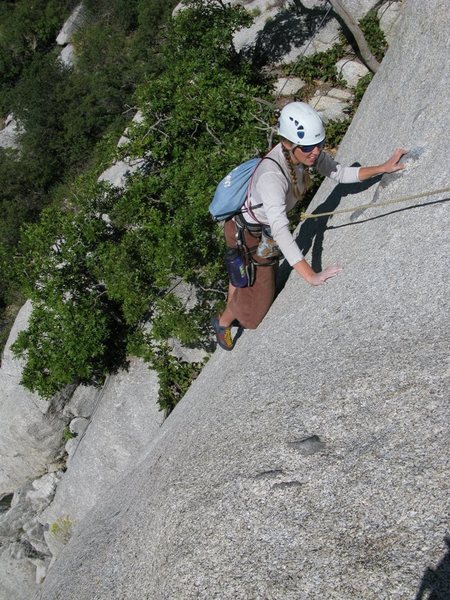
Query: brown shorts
x=250, y=304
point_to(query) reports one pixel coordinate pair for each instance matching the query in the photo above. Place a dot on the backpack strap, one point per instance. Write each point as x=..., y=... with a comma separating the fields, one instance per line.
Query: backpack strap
x=248, y=207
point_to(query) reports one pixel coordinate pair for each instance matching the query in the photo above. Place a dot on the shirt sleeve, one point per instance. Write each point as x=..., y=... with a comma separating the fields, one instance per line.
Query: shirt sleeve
x=327, y=166
x=273, y=189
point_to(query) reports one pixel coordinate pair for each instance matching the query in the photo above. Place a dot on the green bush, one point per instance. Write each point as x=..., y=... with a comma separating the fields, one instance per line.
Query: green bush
x=370, y=26
x=27, y=29
x=321, y=65
x=95, y=279
x=359, y=91
x=66, y=113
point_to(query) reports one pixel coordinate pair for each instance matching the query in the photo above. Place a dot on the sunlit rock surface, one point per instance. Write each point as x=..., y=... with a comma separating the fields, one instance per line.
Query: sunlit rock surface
x=31, y=432
x=312, y=461
x=121, y=428
x=71, y=26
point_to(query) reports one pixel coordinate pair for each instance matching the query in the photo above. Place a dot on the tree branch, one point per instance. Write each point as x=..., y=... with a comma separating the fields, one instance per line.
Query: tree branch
x=366, y=54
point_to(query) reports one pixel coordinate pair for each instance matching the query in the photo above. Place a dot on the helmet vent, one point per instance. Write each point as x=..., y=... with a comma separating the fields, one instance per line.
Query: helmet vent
x=300, y=128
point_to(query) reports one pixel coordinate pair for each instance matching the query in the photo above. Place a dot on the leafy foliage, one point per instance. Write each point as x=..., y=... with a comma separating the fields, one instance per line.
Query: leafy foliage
x=27, y=29
x=174, y=375
x=103, y=266
x=359, y=91
x=75, y=331
x=336, y=131
x=321, y=65
x=65, y=114
x=370, y=26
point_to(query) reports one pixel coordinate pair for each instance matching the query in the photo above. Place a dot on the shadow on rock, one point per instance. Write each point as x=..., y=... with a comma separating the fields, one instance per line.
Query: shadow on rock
x=312, y=232
x=435, y=584
x=289, y=29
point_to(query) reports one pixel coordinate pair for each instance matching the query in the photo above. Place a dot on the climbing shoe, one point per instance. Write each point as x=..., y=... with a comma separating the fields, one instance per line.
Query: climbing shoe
x=223, y=334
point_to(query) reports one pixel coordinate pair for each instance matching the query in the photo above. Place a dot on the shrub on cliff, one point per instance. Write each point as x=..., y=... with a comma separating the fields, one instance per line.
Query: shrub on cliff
x=105, y=264
x=65, y=112
x=27, y=29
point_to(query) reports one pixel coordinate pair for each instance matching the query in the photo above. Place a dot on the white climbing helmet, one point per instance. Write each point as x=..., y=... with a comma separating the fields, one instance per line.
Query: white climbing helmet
x=301, y=124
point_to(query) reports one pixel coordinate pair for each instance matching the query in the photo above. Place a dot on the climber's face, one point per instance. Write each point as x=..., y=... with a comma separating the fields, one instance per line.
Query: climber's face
x=307, y=155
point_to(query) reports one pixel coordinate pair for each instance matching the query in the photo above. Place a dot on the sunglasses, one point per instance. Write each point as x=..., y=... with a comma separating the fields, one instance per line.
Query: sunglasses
x=310, y=148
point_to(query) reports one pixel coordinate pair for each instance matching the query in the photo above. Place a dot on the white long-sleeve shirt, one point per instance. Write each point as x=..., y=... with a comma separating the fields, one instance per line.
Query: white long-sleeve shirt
x=273, y=190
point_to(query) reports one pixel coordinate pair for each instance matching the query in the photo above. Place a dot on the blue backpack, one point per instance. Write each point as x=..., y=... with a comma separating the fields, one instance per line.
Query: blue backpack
x=231, y=192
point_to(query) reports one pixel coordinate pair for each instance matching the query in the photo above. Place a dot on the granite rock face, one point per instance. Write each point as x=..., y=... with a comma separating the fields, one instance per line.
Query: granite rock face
x=312, y=461
x=31, y=431
x=10, y=133
x=123, y=424
x=71, y=26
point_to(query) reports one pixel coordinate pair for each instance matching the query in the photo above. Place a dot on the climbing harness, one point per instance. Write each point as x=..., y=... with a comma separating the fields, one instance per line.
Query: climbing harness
x=304, y=216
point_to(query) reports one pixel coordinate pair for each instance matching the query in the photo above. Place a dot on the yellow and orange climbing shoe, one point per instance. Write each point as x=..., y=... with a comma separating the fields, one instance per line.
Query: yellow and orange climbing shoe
x=223, y=334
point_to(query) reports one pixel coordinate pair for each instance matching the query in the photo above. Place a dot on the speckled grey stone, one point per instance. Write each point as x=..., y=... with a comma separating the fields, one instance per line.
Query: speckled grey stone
x=351, y=71
x=223, y=507
x=31, y=429
x=123, y=425
x=71, y=26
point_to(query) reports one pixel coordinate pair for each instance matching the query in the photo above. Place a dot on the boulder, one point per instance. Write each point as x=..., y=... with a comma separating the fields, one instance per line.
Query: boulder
x=10, y=133
x=281, y=32
x=119, y=172
x=67, y=55
x=78, y=426
x=288, y=86
x=351, y=70
x=312, y=461
x=71, y=26
x=108, y=445
x=137, y=120
x=333, y=105
x=31, y=432
x=357, y=8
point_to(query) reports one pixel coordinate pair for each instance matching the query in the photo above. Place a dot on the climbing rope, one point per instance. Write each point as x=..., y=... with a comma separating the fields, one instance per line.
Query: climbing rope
x=304, y=215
